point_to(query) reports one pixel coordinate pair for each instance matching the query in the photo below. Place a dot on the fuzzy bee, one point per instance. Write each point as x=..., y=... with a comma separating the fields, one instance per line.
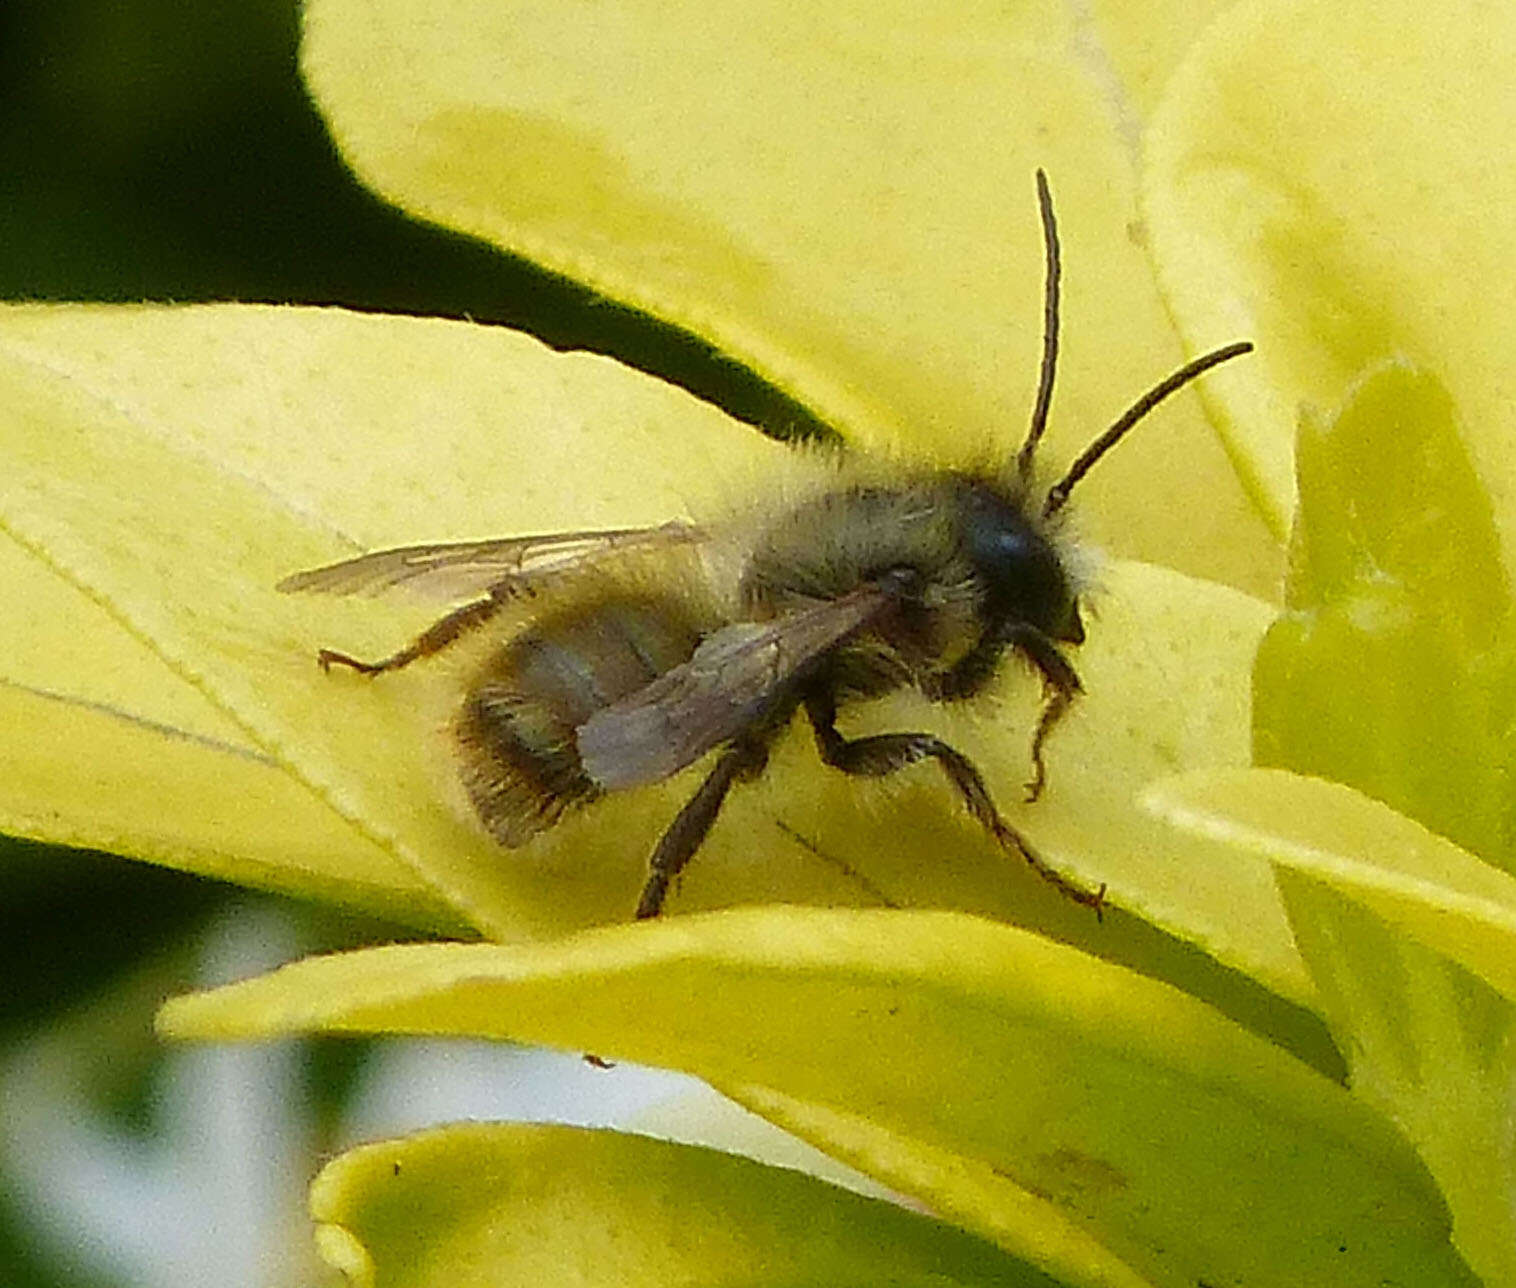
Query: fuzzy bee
x=877, y=581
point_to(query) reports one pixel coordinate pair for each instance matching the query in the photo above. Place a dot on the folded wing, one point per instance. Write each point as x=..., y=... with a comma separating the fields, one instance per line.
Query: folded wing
x=735, y=677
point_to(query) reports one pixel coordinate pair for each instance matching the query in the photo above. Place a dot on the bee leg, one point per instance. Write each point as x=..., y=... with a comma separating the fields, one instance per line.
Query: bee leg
x=434, y=639
x=678, y=844
x=969, y=675
x=1062, y=684
x=882, y=754
x=1059, y=701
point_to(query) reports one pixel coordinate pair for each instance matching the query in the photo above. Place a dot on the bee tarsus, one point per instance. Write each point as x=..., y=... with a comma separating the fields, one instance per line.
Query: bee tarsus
x=1060, y=682
x=329, y=657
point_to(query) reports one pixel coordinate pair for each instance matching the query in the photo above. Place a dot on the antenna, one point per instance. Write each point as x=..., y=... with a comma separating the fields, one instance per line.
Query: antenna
x=1059, y=492
x=1024, y=458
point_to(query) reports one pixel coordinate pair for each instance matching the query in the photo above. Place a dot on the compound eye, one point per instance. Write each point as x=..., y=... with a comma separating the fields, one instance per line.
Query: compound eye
x=1023, y=578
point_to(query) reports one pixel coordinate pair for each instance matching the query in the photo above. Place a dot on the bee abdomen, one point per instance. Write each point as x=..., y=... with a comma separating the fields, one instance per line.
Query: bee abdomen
x=516, y=729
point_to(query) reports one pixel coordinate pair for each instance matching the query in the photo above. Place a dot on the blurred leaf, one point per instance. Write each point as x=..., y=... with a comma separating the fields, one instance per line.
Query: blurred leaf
x=1141, y=45
x=1321, y=175
x=72, y=919
x=1323, y=179
x=503, y=1205
x=1393, y=670
x=1188, y=1147
x=1432, y=1047
x=1412, y=943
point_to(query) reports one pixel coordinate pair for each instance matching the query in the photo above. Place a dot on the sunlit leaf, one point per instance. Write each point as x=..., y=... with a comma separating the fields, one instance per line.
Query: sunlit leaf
x=1394, y=668
x=839, y=197
x=166, y=796
x=1411, y=941
x=121, y=753
x=177, y=463
x=1188, y=1147
x=506, y=1205
x=1444, y=896
x=1139, y=46
x=969, y=1191
x=1324, y=178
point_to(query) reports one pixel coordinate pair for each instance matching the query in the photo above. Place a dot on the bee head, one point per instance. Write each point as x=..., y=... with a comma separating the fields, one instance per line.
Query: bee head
x=1024, y=576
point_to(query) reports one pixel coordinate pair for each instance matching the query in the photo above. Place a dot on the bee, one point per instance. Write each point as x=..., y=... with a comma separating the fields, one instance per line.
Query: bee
x=928, y=580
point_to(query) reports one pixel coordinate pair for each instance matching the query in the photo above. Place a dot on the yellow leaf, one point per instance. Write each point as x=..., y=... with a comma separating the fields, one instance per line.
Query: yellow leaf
x=121, y=753
x=1429, y=888
x=179, y=462
x=1411, y=942
x=507, y=1205
x=1190, y=1148
x=175, y=463
x=1325, y=178
x=840, y=197
x=103, y=779
x=1394, y=668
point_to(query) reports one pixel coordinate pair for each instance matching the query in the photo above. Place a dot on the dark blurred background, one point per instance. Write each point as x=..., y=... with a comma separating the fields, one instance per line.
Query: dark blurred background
x=165, y=150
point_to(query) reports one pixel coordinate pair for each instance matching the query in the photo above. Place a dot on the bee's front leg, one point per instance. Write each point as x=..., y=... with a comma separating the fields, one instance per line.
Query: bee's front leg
x=1061, y=683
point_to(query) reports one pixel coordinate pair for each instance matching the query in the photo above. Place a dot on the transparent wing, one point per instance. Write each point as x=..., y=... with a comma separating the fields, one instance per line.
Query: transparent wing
x=501, y=567
x=732, y=677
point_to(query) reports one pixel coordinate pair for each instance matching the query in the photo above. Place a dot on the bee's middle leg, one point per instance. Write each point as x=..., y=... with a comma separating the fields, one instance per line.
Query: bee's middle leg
x=881, y=754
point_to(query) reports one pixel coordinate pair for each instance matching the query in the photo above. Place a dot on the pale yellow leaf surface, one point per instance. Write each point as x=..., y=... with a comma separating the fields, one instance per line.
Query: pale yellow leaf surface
x=840, y=197
x=1431, y=1046
x=258, y=441
x=970, y=1192
x=175, y=463
x=57, y=640
x=1330, y=180
x=1417, y=881
x=1190, y=1148
x=112, y=749
x=93, y=777
x=1135, y=48
x=513, y=1206
x=1410, y=941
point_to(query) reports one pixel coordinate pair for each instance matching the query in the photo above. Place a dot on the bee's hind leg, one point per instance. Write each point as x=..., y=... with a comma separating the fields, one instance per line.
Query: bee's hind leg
x=434, y=639
x=882, y=754
x=677, y=846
